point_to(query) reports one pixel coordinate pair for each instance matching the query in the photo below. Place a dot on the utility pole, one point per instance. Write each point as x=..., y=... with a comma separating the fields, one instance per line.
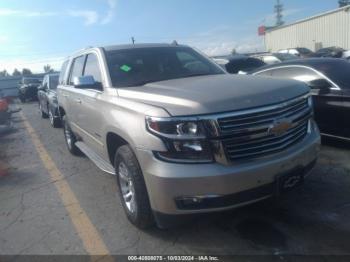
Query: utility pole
x=133, y=40
x=279, y=13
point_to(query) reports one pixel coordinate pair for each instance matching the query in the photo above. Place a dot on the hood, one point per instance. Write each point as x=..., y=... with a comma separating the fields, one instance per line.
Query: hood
x=214, y=93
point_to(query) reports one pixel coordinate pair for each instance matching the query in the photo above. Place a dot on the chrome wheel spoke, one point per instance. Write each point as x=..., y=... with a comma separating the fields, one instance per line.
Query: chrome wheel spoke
x=127, y=187
x=128, y=196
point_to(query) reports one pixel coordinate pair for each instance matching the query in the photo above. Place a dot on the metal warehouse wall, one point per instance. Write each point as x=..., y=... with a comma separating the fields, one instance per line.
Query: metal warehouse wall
x=330, y=29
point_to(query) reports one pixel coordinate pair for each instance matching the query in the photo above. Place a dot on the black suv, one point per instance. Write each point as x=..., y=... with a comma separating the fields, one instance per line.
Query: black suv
x=28, y=88
x=47, y=97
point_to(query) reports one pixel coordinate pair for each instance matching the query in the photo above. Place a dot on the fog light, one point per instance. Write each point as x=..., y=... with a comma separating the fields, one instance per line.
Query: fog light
x=188, y=202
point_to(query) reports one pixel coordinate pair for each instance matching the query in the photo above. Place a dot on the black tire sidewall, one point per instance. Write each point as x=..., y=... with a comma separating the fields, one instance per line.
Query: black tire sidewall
x=142, y=217
x=55, y=121
x=73, y=149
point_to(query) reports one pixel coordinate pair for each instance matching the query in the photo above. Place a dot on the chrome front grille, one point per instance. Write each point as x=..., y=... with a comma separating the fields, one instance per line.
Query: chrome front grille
x=247, y=135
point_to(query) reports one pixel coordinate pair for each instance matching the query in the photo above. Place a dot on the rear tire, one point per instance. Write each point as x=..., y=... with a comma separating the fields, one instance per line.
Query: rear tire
x=132, y=188
x=70, y=138
x=42, y=113
x=54, y=121
x=22, y=99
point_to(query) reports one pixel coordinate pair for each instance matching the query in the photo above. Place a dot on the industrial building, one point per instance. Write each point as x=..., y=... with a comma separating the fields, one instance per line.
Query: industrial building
x=324, y=30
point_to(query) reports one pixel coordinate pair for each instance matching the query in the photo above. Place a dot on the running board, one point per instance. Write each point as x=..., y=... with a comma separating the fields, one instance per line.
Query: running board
x=98, y=161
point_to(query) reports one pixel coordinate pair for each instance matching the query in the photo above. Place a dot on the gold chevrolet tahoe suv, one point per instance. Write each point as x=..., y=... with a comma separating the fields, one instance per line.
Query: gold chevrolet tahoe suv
x=181, y=135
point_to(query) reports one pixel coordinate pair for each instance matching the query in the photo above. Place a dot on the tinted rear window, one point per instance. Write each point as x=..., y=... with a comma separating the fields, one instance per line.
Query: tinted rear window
x=53, y=82
x=304, y=51
x=245, y=65
x=31, y=81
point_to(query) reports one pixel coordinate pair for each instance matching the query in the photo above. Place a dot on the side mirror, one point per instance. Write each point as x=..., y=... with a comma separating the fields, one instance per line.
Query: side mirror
x=86, y=82
x=322, y=84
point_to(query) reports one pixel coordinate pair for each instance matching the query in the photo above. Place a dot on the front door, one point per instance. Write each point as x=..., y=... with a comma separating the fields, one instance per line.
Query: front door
x=329, y=113
x=90, y=109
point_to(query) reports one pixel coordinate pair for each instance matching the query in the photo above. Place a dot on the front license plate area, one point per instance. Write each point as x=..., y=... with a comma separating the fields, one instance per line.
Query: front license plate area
x=288, y=182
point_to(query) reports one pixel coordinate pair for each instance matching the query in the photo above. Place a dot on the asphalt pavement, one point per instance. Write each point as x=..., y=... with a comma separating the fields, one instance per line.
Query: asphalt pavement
x=54, y=203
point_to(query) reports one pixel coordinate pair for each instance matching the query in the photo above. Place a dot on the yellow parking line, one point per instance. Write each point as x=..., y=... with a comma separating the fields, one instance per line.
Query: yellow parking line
x=87, y=232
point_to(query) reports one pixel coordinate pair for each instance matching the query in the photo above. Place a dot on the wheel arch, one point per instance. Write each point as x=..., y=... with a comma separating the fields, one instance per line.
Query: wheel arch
x=113, y=142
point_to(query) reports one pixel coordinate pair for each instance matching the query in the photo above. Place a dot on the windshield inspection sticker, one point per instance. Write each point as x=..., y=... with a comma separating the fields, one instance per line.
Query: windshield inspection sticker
x=125, y=68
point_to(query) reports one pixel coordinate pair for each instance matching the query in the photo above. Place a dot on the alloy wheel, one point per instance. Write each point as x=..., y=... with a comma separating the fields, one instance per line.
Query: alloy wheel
x=127, y=187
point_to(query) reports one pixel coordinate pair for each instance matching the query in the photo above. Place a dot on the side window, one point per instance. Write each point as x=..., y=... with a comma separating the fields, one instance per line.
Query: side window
x=53, y=82
x=92, y=68
x=77, y=68
x=62, y=80
x=270, y=60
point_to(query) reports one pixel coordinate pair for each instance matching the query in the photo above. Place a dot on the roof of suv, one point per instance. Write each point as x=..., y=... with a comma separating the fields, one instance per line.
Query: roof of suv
x=132, y=46
x=121, y=47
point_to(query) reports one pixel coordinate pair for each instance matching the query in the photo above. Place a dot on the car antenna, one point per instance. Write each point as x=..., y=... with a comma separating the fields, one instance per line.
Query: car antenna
x=133, y=40
x=175, y=43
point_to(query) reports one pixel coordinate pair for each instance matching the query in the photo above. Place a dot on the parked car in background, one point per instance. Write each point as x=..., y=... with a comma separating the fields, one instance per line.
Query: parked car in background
x=275, y=58
x=301, y=52
x=329, y=80
x=47, y=97
x=235, y=64
x=336, y=52
x=182, y=135
x=28, y=89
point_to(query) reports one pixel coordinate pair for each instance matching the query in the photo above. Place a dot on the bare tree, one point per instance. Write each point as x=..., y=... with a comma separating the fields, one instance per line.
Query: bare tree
x=16, y=72
x=26, y=72
x=48, y=69
x=4, y=73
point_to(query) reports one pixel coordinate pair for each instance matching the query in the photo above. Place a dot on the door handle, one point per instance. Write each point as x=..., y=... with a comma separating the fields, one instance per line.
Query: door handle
x=66, y=95
x=78, y=101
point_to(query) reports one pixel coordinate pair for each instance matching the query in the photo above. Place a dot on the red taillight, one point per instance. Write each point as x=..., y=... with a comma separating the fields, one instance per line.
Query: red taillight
x=3, y=105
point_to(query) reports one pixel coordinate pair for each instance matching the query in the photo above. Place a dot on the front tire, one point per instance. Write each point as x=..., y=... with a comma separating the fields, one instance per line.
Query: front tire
x=132, y=188
x=70, y=138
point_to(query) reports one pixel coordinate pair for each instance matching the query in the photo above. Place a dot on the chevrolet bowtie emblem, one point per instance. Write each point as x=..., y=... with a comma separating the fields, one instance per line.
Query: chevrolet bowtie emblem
x=279, y=127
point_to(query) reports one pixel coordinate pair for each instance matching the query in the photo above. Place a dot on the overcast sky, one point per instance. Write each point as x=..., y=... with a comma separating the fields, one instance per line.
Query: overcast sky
x=34, y=33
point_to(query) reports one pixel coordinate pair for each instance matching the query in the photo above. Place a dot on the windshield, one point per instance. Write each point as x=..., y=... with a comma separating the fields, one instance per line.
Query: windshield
x=53, y=82
x=244, y=65
x=139, y=66
x=285, y=56
x=31, y=81
x=304, y=51
x=338, y=71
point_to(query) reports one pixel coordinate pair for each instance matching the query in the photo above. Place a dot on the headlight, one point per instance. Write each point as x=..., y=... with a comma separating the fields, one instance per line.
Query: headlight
x=184, y=138
x=310, y=101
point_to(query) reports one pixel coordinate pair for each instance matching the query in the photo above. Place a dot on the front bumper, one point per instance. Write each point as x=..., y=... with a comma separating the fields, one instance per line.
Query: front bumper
x=223, y=187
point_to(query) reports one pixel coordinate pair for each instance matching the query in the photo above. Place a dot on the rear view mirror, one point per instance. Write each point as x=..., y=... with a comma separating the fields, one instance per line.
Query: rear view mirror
x=321, y=84
x=86, y=82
